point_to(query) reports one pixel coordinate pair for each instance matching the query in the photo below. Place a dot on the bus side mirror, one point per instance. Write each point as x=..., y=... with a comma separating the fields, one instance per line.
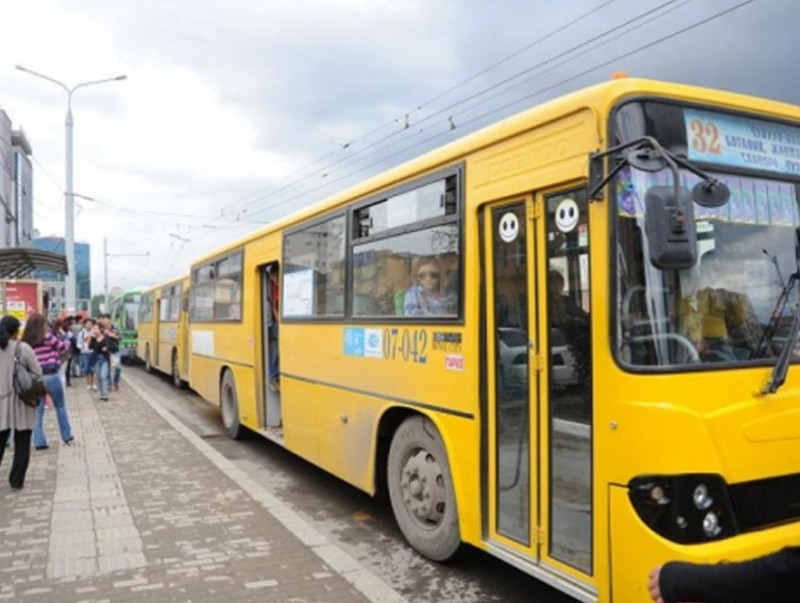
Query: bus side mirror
x=670, y=228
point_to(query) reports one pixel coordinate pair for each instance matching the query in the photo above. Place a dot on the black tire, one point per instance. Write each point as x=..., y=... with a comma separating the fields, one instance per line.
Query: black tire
x=229, y=406
x=176, y=372
x=147, y=364
x=421, y=489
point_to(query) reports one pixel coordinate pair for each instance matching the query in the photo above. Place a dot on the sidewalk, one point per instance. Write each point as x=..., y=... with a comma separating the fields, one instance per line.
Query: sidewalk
x=140, y=508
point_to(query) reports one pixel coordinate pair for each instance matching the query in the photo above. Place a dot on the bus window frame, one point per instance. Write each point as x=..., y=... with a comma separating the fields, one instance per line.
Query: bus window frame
x=348, y=211
x=193, y=285
x=326, y=217
x=146, y=313
x=613, y=233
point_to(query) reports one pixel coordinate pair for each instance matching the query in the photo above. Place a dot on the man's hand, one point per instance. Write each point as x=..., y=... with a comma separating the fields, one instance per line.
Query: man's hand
x=653, y=585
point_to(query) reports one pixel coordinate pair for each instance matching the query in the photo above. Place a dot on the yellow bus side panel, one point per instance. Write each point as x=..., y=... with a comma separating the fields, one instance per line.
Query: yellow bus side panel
x=554, y=153
x=167, y=341
x=332, y=402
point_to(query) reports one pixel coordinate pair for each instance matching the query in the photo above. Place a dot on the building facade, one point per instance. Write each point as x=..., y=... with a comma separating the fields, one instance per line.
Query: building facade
x=54, y=283
x=23, y=187
x=16, y=186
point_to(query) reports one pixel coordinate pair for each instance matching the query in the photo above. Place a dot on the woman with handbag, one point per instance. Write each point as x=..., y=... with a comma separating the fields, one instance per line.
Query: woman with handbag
x=48, y=350
x=14, y=413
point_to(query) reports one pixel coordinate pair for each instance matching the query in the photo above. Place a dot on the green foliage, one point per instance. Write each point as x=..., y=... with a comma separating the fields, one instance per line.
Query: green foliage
x=97, y=303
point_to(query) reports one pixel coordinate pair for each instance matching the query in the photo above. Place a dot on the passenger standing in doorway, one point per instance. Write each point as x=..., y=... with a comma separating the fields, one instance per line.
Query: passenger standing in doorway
x=14, y=413
x=48, y=349
x=272, y=331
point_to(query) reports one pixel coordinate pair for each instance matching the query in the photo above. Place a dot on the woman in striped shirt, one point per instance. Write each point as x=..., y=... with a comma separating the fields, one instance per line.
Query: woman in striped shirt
x=48, y=349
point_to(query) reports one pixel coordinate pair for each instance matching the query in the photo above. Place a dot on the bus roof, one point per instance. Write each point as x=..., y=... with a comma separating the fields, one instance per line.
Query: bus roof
x=173, y=281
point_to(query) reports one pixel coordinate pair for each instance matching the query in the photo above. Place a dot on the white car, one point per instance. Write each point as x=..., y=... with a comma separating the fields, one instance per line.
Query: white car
x=513, y=367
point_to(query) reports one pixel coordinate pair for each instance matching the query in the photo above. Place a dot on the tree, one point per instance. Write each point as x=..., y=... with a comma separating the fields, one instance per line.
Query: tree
x=97, y=304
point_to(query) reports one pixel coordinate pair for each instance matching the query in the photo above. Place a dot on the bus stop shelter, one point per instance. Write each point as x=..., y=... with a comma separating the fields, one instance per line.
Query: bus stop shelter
x=19, y=262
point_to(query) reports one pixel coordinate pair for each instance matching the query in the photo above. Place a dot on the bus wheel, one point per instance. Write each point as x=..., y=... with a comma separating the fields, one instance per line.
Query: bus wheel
x=147, y=366
x=421, y=489
x=229, y=405
x=176, y=371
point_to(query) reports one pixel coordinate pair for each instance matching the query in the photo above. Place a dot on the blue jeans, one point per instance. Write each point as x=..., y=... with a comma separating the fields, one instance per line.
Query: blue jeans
x=56, y=391
x=85, y=357
x=117, y=373
x=101, y=371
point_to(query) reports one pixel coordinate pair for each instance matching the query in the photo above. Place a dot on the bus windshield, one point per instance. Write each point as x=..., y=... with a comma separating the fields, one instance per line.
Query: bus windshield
x=716, y=312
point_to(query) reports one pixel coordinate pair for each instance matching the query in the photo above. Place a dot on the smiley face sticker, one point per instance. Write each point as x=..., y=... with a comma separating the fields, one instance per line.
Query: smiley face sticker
x=508, y=229
x=567, y=215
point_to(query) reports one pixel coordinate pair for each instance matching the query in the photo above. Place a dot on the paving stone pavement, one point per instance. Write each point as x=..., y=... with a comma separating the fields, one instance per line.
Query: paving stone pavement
x=140, y=508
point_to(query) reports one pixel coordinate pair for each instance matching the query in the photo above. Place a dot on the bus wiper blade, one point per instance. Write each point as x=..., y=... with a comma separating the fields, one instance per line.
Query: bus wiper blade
x=782, y=364
x=765, y=341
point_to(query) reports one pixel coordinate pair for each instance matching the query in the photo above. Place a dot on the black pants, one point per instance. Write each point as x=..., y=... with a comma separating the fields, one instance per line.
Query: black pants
x=22, y=455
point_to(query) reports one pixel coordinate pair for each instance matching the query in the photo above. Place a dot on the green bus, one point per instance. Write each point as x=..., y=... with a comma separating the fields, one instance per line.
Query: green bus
x=124, y=310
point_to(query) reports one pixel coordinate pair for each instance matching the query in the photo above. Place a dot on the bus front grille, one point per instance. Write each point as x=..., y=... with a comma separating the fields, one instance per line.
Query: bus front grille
x=766, y=502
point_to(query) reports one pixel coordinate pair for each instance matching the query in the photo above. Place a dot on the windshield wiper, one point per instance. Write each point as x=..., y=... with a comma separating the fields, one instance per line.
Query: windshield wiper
x=782, y=364
x=765, y=341
x=784, y=359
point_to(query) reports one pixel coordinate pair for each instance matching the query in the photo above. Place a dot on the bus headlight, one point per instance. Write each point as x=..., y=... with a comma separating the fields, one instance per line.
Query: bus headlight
x=711, y=524
x=701, y=497
x=687, y=509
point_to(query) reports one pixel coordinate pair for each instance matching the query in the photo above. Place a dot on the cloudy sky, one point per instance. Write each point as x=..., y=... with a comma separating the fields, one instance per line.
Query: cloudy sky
x=237, y=112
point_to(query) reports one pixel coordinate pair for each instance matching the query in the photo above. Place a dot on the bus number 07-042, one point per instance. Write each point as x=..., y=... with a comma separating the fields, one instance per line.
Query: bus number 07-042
x=410, y=345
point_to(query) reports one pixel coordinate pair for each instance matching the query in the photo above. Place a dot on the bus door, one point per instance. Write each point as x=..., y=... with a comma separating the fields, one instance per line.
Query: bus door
x=512, y=420
x=269, y=338
x=539, y=395
x=183, y=335
x=565, y=387
x=156, y=360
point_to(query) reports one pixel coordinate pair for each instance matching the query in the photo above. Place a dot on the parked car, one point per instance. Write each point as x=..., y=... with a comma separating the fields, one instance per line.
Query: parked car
x=513, y=367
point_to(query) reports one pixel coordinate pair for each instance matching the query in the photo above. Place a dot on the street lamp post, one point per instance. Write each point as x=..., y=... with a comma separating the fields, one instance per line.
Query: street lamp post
x=106, y=255
x=69, y=202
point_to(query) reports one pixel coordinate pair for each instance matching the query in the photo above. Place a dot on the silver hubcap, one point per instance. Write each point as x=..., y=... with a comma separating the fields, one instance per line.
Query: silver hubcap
x=422, y=485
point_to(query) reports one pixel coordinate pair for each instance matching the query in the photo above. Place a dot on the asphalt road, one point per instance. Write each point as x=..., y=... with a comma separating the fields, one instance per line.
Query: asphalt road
x=362, y=526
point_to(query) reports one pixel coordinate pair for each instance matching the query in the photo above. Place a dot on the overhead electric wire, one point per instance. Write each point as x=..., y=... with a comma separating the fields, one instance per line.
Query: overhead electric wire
x=527, y=97
x=542, y=63
x=323, y=173
x=420, y=106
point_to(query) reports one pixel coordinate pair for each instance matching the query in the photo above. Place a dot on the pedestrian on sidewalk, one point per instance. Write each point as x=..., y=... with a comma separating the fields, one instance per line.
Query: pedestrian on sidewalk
x=48, y=349
x=86, y=354
x=99, y=346
x=69, y=337
x=14, y=413
x=115, y=355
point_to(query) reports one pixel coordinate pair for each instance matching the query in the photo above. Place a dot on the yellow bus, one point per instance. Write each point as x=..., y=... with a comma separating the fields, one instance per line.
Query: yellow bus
x=163, y=339
x=562, y=339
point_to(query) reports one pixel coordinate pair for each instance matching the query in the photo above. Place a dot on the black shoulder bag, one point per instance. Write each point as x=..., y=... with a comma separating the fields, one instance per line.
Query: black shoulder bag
x=28, y=386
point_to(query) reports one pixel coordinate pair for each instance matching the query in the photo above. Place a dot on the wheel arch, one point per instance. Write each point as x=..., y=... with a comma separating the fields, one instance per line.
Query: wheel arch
x=387, y=426
x=388, y=423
